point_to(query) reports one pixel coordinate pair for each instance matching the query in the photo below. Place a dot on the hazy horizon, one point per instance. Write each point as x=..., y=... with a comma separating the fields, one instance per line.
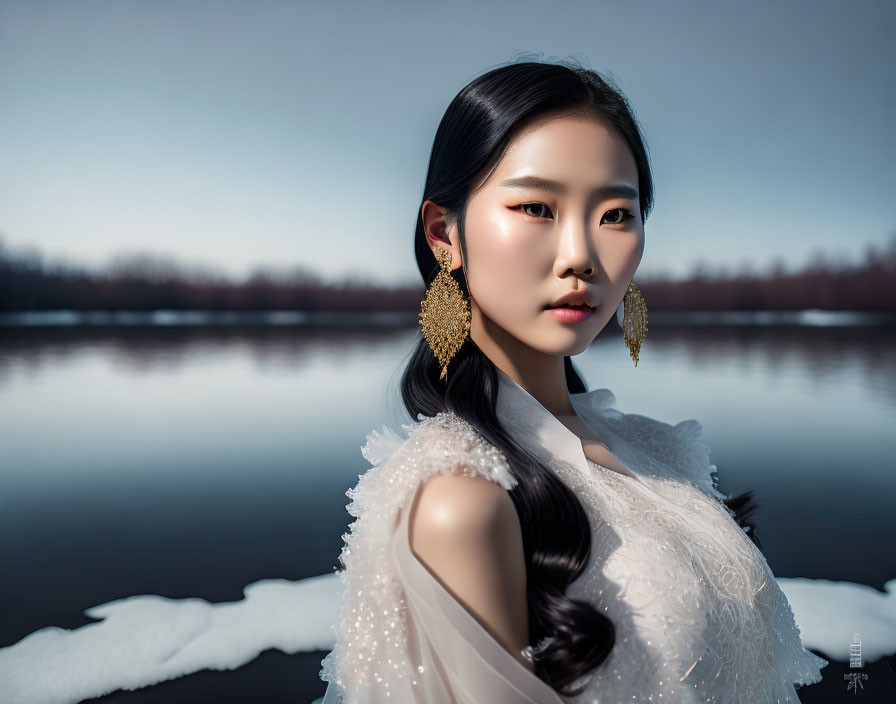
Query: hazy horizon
x=237, y=135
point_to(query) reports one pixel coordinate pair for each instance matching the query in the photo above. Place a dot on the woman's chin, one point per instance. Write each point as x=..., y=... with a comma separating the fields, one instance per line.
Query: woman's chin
x=564, y=343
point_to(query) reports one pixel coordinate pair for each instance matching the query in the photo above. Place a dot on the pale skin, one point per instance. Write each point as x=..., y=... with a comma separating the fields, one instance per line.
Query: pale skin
x=527, y=246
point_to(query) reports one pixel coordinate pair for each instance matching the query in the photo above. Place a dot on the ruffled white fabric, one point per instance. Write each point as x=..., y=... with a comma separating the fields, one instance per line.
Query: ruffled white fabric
x=675, y=446
x=698, y=613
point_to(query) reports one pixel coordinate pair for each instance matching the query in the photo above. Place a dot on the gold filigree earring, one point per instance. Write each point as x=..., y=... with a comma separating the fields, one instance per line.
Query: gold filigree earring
x=632, y=318
x=444, y=314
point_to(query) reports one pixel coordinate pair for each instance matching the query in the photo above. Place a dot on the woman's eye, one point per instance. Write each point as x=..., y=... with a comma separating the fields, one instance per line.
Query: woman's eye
x=623, y=216
x=536, y=206
x=540, y=210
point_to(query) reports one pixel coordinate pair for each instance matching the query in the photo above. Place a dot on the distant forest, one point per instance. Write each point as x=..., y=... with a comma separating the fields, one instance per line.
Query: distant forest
x=145, y=282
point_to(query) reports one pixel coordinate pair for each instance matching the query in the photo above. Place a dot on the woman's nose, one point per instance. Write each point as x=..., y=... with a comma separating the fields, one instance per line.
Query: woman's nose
x=575, y=252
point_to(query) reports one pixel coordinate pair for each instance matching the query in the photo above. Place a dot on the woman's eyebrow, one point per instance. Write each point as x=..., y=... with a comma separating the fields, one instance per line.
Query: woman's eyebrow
x=618, y=190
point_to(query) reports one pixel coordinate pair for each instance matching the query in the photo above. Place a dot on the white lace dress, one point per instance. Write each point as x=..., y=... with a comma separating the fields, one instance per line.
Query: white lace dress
x=699, y=616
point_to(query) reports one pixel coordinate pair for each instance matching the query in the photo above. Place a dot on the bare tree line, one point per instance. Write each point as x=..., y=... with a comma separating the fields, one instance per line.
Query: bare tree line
x=144, y=282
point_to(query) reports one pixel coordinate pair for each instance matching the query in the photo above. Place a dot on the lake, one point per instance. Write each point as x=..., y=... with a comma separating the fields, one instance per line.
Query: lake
x=190, y=461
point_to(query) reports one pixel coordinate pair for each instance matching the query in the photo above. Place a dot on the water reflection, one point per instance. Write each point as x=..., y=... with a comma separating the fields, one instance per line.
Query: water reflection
x=193, y=460
x=78, y=399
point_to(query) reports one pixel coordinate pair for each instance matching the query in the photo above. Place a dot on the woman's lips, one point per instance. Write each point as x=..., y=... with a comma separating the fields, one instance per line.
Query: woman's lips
x=571, y=314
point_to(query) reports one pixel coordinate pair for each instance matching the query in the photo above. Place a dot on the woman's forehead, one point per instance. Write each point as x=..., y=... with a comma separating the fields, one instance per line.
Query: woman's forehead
x=563, y=155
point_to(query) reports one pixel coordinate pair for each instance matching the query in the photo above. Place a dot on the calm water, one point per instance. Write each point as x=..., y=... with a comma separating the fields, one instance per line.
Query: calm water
x=189, y=462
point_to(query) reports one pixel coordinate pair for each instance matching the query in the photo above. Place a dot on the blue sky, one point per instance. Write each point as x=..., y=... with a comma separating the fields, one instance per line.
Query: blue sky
x=241, y=134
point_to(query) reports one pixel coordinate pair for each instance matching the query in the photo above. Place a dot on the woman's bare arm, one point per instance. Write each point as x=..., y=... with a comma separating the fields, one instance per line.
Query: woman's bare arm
x=466, y=531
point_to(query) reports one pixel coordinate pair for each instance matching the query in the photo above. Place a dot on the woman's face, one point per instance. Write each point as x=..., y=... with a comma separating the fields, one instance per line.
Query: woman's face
x=528, y=243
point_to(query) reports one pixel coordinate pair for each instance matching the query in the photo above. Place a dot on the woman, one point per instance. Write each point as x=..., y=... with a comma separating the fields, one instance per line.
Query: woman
x=527, y=541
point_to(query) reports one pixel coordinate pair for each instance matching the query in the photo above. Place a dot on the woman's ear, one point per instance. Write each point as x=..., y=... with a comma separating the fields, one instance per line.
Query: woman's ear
x=437, y=232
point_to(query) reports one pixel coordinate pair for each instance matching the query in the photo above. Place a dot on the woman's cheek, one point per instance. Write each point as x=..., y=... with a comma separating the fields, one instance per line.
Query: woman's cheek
x=507, y=262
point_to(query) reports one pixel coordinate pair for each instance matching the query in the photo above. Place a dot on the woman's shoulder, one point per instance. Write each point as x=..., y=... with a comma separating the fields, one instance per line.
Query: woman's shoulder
x=462, y=508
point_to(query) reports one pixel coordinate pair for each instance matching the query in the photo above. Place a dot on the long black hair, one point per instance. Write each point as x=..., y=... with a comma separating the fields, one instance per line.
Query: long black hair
x=471, y=139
